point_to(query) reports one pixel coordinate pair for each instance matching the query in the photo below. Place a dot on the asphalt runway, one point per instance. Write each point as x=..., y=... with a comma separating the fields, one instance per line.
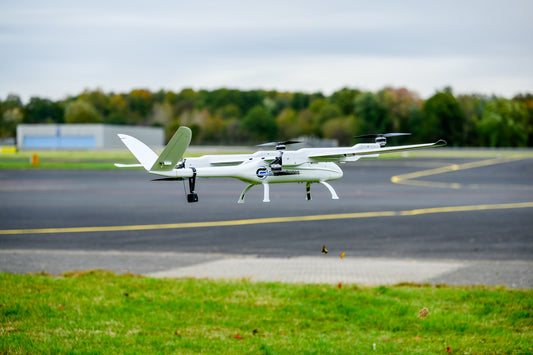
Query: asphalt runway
x=469, y=210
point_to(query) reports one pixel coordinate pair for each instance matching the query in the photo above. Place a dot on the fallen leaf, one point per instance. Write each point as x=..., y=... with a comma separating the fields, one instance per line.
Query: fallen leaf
x=255, y=331
x=449, y=350
x=238, y=336
x=423, y=313
x=339, y=285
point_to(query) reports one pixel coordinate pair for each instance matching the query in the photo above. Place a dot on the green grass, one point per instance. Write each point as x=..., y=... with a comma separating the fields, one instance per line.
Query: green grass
x=72, y=159
x=101, y=312
x=66, y=159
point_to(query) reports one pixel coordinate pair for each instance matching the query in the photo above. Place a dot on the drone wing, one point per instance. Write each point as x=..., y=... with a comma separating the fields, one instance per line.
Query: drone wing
x=360, y=150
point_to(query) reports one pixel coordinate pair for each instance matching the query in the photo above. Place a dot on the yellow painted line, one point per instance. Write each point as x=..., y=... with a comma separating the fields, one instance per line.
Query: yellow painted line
x=242, y=222
x=407, y=179
x=471, y=208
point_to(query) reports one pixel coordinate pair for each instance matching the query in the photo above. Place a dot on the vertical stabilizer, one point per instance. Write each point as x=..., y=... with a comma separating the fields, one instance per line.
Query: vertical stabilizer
x=173, y=152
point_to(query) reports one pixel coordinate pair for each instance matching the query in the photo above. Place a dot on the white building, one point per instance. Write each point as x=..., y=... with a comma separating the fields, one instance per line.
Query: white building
x=84, y=136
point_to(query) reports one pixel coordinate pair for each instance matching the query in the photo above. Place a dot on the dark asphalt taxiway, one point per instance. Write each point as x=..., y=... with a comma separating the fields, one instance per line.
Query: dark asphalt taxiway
x=474, y=210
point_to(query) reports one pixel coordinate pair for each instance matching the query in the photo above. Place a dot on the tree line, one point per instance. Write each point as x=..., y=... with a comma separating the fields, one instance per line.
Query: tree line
x=230, y=116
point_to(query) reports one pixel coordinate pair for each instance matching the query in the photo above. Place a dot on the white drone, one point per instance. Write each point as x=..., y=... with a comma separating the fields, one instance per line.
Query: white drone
x=309, y=165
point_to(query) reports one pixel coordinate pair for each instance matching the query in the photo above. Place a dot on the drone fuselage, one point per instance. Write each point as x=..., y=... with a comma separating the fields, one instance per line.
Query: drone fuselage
x=255, y=169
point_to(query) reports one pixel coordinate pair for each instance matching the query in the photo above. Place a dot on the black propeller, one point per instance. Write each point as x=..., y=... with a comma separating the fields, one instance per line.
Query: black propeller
x=278, y=145
x=382, y=138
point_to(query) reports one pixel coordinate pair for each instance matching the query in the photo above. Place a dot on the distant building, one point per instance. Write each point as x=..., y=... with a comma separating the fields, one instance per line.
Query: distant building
x=84, y=136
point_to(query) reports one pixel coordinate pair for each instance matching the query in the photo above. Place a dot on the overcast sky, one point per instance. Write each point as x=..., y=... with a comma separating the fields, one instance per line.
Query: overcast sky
x=58, y=48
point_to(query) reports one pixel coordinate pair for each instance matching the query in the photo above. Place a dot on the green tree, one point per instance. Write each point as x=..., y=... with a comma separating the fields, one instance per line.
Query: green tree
x=345, y=100
x=472, y=107
x=527, y=100
x=282, y=100
x=11, y=114
x=322, y=110
x=288, y=125
x=197, y=121
x=300, y=101
x=213, y=131
x=443, y=118
x=260, y=124
x=244, y=100
x=233, y=132
x=186, y=101
x=504, y=124
x=43, y=111
x=81, y=111
x=118, y=110
x=140, y=106
x=342, y=129
x=397, y=105
x=12, y=101
x=98, y=99
x=162, y=114
x=371, y=113
x=230, y=111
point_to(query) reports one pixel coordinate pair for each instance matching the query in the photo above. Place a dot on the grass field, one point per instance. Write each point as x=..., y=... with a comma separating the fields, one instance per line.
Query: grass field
x=75, y=159
x=83, y=159
x=101, y=312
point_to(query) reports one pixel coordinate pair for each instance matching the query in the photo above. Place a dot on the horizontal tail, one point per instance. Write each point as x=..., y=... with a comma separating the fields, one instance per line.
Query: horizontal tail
x=118, y=165
x=141, y=151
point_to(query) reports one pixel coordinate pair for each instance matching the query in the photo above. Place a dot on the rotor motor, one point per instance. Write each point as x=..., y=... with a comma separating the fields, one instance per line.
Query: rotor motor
x=381, y=139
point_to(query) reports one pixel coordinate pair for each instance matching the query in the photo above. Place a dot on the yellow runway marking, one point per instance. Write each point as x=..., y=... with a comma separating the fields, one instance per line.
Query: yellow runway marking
x=242, y=222
x=407, y=179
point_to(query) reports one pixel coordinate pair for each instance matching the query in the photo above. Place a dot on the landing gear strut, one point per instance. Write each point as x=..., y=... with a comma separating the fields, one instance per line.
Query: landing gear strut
x=192, y=196
x=328, y=186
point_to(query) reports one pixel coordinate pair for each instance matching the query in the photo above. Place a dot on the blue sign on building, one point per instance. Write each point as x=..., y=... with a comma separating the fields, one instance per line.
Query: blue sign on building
x=60, y=142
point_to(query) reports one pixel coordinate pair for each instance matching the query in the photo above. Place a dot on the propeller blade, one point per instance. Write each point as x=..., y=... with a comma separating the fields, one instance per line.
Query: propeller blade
x=273, y=144
x=269, y=144
x=386, y=135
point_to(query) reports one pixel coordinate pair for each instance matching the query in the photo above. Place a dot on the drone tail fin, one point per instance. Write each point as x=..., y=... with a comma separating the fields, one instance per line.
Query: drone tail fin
x=170, y=156
x=173, y=152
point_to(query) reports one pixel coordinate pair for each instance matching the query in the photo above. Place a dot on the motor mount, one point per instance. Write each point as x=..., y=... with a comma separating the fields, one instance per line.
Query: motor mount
x=381, y=138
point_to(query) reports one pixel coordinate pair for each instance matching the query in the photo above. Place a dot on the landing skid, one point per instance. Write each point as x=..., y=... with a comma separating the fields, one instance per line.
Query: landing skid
x=331, y=190
x=266, y=191
x=244, y=192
